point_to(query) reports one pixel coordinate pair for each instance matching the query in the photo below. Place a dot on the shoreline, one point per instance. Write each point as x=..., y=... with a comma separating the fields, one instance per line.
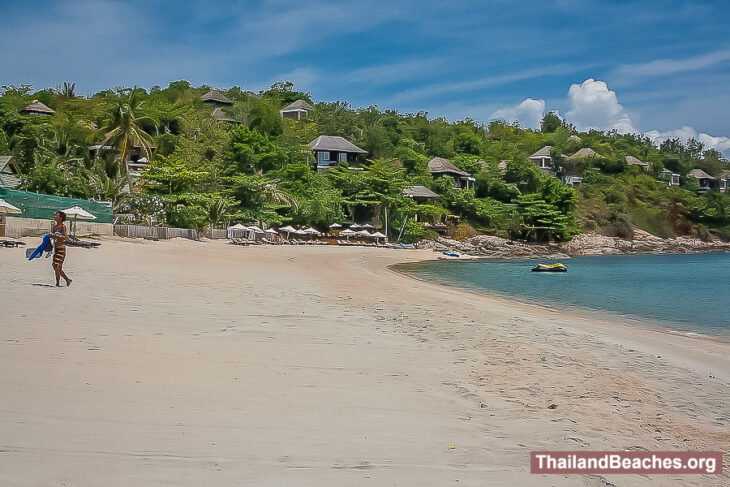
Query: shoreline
x=201, y=363
x=614, y=318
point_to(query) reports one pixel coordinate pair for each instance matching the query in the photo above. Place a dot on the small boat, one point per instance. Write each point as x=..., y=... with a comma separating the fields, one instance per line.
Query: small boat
x=450, y=254
x=557, y=267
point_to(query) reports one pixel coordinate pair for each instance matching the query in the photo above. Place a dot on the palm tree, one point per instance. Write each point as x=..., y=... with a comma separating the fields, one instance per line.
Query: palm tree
x=273, y=194
x=122, y=128
x=66, y=90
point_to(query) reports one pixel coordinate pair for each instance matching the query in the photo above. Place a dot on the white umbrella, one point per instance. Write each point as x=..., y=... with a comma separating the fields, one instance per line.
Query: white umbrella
x=347, y=231
x=300, y=232
x=288, y=229
x=367, y=225
x=238, y=226
x=364, y=233
x=311, y=230
x=78, y=213
x=255, y=228
x=272, y=231
x=6, y=207
x=377, y=236
x=355, y=226
x=335, y=225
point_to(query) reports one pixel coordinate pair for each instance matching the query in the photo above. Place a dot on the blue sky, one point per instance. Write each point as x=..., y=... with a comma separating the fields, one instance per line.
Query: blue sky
x=660, y=67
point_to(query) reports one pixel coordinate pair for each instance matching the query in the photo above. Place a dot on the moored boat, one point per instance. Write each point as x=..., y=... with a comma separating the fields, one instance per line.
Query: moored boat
x=557, y=267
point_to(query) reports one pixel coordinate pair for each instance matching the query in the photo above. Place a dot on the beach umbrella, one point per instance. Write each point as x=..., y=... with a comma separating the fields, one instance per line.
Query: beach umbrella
x=377, y=236
x=255, y=228
x=335, y=226
x=364, y=233
x=300, y=232
x=367, y=226
x=78, y=213
x=347, y=232
x=9, y=209
x=271, y=230
x=355, y=226
x=311, y=230
x=288, y=229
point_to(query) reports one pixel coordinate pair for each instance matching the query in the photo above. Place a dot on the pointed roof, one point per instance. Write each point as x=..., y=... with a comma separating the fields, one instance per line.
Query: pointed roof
x=439, y=165
x=8, y=173
x=544, y=152
x=38, y=107
x=699, y=174
x=216, y=96
x=222, y=116
x=585, y=152
x=335, y=143
x=575, y=138
x=633, y=161
x=418, y=192
x=296, y=106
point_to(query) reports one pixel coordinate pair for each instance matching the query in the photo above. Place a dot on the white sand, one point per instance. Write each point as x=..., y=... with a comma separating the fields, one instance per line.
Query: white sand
x=189, y=364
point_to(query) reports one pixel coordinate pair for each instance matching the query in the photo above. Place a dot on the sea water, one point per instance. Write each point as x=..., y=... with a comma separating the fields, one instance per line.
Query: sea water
x=688, y=292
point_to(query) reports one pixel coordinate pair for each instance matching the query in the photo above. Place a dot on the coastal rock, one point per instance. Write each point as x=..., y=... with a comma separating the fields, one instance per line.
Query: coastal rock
x=582, y=244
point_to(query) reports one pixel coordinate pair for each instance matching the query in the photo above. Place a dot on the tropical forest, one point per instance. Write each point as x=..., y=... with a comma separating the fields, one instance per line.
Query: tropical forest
x=201, y=165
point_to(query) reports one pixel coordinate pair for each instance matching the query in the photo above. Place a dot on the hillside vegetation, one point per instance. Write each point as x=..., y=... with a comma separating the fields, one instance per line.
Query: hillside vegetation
x=203, y=172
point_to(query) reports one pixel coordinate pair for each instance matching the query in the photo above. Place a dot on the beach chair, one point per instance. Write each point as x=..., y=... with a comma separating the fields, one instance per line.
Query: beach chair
x=74, y=241
x=11, y=243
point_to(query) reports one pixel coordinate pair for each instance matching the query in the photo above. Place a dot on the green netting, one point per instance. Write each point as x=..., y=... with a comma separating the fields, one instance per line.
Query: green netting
x=44, y=206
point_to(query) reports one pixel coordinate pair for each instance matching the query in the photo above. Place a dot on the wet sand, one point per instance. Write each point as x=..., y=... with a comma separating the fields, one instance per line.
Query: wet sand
x=199, y=363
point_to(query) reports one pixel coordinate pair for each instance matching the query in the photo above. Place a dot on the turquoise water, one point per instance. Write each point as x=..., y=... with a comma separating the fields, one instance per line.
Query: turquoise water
x=685, y=292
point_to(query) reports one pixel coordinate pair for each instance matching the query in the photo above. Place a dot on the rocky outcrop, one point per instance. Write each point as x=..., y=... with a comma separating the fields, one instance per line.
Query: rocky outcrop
x=583, y=244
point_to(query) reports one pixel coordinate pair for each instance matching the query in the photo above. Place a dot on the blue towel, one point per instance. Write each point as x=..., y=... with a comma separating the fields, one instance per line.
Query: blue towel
x=39, y=250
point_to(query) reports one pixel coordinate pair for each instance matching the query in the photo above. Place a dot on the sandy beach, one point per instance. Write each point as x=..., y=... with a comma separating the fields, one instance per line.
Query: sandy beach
x=200, y=363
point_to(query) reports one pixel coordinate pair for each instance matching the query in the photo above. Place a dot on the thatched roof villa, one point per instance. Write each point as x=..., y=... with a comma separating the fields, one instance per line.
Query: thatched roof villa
x=329, y=150
x=438, y=167
x=543, y=159
x=217, y=98
x=296, y=110
x=633, y=161
x=37, y=108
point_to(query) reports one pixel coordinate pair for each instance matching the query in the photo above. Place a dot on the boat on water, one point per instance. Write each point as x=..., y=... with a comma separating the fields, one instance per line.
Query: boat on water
x=557, y=267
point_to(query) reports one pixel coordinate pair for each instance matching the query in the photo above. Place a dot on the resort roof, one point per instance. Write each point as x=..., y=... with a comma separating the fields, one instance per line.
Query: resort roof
x=439, y=165
x=222, y=116
x=38, y=107
x=575, y=138
x=8, y=171
x=418, y=192
x=544, y=152
x=216, y=96
x=724, y=174
x=297, y=105
x=699, y=174
x=335, y=143
x=633, y=161
x=585, y=152
x=252, y=94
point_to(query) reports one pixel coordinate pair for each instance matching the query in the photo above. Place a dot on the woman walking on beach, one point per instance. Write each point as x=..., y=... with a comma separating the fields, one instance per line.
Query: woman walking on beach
x=58, y=233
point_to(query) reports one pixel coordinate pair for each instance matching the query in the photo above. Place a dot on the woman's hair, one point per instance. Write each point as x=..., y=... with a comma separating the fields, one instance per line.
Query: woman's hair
x=63, y=215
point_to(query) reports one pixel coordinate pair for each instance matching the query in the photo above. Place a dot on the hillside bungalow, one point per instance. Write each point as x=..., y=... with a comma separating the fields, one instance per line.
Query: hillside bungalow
x=502, y=167
x=543, y=159
x=217, y=99
x=724, y=177
x=672, y=178
x=572, y=180
x=9, y=174
x=419, y=194
x=37, y=108
x=296, y=110
x=586, y=152
x=438, y=167
x=633, y=161
x=706, y=181
x=330, y=150
x=575, y=138
x=222, y=116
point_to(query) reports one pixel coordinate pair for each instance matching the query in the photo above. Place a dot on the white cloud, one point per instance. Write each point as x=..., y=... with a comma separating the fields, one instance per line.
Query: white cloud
x=529, y=113
x=594, y=106
x=663, y=67
x=685, y=133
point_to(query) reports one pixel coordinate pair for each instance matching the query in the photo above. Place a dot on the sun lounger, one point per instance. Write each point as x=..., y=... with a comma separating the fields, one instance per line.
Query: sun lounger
x=73, y=241
x=11, y=243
